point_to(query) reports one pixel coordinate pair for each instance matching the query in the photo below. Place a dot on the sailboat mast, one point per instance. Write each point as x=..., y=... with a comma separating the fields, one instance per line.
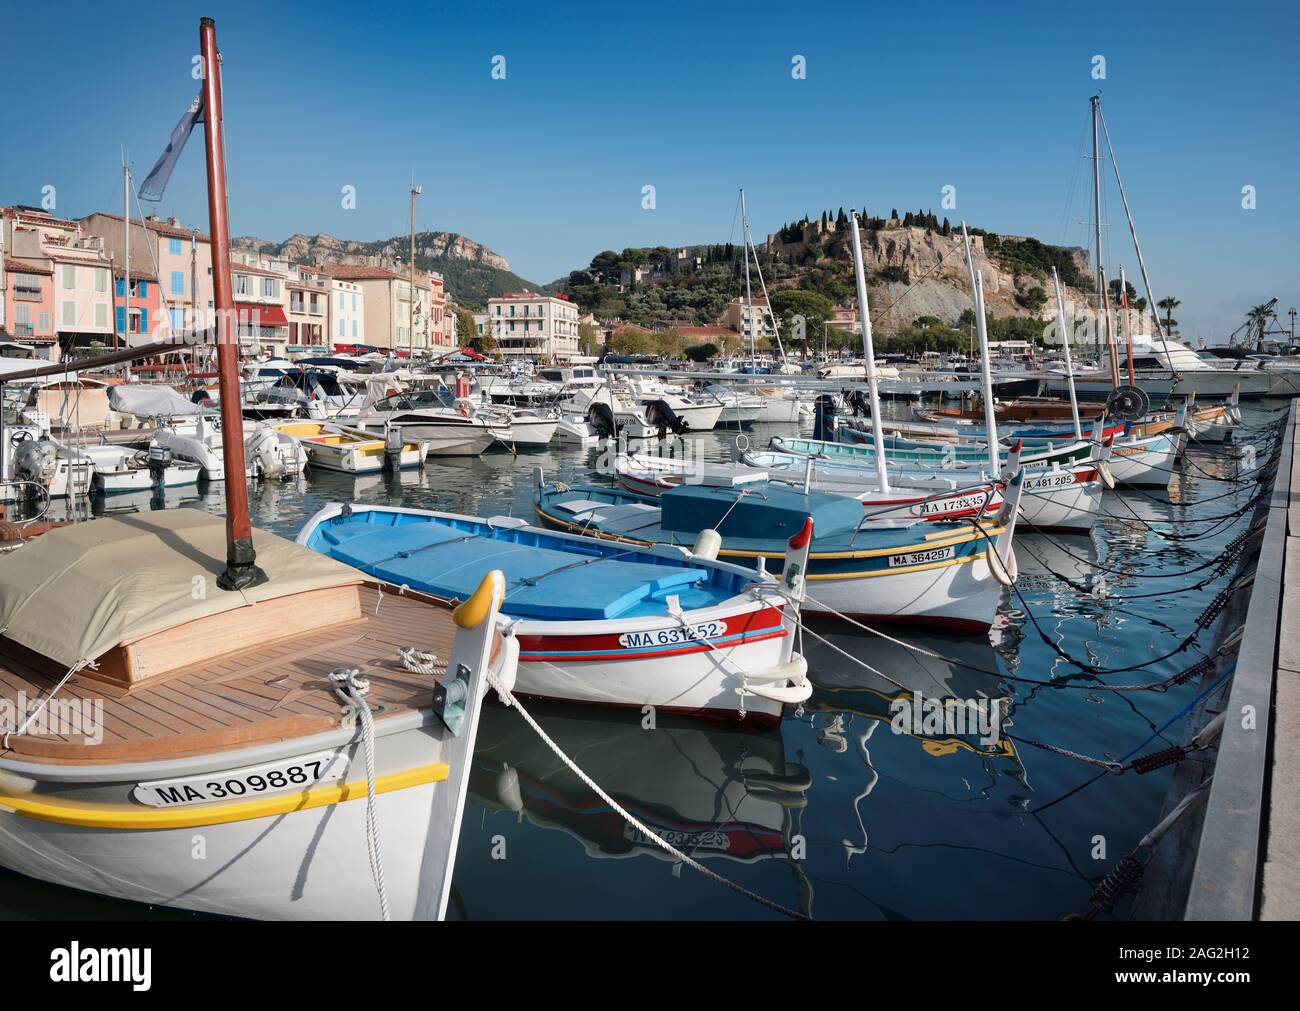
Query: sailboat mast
x=749, y=301
x=1096, y=222
x=869, y=352
x=126, y=242
x=1110, y=341
x=241, y=568
x=986, y=375
x=1124, y=322
x=1065, y=344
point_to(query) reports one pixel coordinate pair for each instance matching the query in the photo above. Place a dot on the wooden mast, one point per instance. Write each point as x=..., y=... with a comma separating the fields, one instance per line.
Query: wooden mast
x=241, y=568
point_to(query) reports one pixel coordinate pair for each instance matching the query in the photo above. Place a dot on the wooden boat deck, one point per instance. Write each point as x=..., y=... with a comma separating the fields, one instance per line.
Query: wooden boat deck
x=249, y=696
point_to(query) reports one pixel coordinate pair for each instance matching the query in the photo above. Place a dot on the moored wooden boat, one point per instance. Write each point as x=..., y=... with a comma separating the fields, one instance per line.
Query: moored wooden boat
x=334, y=447
x=597, y=623
x=946, y=574
x=145, y=707
x=186, y=706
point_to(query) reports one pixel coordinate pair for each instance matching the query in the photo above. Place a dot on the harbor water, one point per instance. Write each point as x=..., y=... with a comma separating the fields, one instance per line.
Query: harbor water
x=837, y=813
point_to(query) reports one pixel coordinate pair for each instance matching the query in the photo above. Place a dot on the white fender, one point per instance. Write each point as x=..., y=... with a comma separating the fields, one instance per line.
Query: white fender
x=707, y=545
x=1003, y=564
x=1103, y=463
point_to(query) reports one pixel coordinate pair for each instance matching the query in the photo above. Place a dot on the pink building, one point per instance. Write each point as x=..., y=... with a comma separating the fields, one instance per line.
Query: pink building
x=440, y=331
x=29, y=305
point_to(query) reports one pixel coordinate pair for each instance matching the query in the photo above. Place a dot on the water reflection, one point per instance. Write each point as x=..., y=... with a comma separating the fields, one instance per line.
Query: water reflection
x=714, y=793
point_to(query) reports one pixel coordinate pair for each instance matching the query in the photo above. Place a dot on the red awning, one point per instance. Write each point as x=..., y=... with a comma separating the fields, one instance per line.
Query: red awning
x=261, y=315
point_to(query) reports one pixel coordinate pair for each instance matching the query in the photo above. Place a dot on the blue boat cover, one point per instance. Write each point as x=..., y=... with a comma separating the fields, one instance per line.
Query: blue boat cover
x=547, y=577
x=770, y=511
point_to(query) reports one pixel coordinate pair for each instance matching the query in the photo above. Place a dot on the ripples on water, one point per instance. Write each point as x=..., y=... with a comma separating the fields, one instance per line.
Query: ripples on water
x=891, y=826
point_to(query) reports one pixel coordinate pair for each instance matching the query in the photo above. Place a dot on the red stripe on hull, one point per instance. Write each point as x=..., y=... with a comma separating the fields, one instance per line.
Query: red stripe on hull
x=526, y=657
x=734, y=624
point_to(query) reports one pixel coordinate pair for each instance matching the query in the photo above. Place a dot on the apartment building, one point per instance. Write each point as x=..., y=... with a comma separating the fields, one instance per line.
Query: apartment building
x=393, y=319
x=82, y=312
x=137, y=315
x=308, y=312
x=180, y=257
x=528, y=325
x=442, y=335
x=347, y=325
x=29, y=305
x=753, y=321
x=259, y=294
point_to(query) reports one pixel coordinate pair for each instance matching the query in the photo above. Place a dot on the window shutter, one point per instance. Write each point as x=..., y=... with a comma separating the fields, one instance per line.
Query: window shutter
x=144, y=320
x=121, y=319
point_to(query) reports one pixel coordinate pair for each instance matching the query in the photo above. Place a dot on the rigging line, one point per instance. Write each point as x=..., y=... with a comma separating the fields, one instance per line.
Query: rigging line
x=1124, y=758
x=1219, y=521
x=1108, y=598
x=880, y=313
x=1062, y=682
x=1128, y=572
x=1063, y=228
x=1095, y=670
x=1201, y=625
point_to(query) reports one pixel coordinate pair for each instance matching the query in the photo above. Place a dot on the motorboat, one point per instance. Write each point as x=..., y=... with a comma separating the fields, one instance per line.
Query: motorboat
x=349, y=450
x=444, y=425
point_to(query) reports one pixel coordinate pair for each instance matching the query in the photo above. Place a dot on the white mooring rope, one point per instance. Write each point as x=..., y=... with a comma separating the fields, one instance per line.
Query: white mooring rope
x=353, y=688
x=510, y=701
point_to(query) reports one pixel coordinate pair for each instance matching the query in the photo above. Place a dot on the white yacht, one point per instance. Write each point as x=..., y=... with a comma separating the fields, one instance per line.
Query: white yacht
x=1164, y=368
x=444, y=425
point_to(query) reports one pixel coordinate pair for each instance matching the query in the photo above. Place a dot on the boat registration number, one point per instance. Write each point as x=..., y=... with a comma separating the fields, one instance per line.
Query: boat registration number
x=1051, y=481
x=922, y=557
x=962, y=503
x=671, y=636
x=236, y=784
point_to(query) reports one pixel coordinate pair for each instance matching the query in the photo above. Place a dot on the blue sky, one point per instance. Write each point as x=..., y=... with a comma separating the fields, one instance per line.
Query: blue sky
x=696, y=99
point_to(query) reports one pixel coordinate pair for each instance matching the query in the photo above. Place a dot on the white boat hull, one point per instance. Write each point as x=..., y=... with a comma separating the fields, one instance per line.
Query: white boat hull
x=585, y=662
x=1072, y=508
x=1145, y=463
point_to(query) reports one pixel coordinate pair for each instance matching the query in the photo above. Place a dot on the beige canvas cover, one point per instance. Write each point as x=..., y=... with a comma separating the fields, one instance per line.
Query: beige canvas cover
x=76, y=592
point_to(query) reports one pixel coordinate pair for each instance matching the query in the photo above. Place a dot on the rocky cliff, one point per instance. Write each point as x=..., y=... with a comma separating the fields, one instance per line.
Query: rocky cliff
x=937, y=282
x=383, y=252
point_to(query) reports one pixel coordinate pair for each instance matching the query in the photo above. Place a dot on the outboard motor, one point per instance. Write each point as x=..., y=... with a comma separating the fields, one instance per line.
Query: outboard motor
x=664, y=418
x=392, y=450
x=858, y=402
x=34, y=459
x=601, y=419
x=824, y=417
x=160, y=458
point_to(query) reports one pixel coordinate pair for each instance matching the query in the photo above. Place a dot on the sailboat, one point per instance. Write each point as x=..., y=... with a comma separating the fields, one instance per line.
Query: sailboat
x=203, y=715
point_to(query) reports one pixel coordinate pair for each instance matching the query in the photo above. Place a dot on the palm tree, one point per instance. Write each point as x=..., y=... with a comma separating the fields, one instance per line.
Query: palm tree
x=1258, y=317
x=1169, y=304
